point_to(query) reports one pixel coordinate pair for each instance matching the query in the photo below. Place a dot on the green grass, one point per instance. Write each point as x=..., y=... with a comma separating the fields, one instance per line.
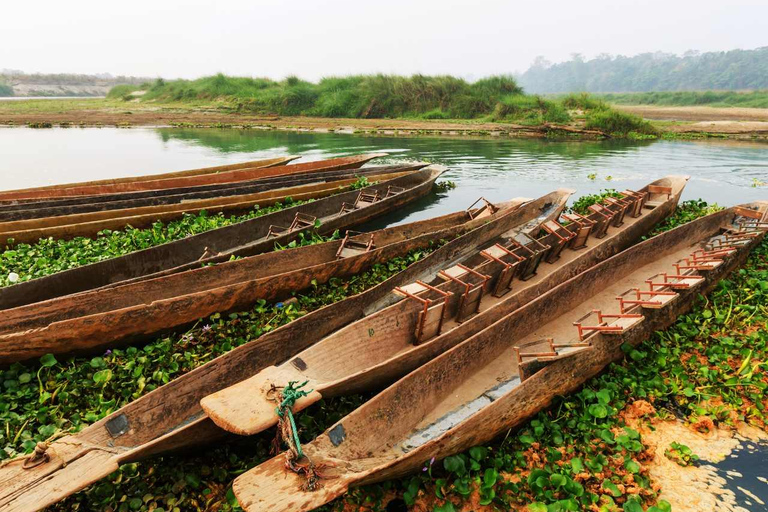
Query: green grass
x=752, y=99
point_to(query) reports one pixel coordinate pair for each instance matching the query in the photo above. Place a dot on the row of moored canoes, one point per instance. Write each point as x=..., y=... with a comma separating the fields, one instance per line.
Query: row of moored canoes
x=464, y=344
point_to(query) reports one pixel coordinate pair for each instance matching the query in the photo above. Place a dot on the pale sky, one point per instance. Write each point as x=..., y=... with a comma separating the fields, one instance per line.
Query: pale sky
x=316, y=38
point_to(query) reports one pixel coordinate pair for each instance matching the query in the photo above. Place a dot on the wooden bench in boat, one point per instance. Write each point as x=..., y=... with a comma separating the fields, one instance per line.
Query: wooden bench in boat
x=486, y=210
x=474, y=286
x=602, y=217
x=582, y=226
x=606, y=323
x=528, y=363
x=639, y=201
x=558, y=237
x=657, y=190
x=697, y=264
x=367, y=198
x=674, y=281
x=498, y=253
x=646, y=299
x=351, y=247
x=300, y=221
x=532, y=250
x=431, y=317
x=619, y=207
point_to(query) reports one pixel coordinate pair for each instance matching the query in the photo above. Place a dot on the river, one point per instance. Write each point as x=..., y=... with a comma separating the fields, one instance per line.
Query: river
x=496, y=168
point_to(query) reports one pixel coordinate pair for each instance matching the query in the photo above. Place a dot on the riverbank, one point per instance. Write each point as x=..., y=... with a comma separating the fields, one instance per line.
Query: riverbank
x=672, y=122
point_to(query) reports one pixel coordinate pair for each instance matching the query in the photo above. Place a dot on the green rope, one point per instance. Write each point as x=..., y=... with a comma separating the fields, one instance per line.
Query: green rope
x=290, y=394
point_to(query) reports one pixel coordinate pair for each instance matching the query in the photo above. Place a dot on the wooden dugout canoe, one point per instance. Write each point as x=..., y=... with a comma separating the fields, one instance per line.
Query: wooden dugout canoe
x=52, y=190
x=72, y=206
x=130, y=312
x=171, y=418
x=348, y=162
x=479, y=389
x=382, y=346
x=242, y=239
x=90, y=224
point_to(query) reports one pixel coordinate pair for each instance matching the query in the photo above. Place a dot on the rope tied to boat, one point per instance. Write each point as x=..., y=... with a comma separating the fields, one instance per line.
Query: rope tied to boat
x=39, y=455
x=289, y=433
x=287, y=398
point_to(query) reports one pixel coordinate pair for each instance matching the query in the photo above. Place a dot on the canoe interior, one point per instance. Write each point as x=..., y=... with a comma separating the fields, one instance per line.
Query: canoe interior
x=240, y=239
x=471, y=393
x=386, y=344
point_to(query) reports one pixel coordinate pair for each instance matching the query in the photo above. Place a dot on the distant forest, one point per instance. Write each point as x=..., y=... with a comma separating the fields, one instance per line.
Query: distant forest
x=692, y=71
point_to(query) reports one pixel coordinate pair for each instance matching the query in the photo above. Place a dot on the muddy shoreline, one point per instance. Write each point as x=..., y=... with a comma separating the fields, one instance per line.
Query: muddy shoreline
x=100, y=114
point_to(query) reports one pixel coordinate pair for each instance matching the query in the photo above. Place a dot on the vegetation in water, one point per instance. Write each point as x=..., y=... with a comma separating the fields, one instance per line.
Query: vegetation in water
x=444, y=186
x=708, y=368
x=681, y=454
x=40, y=399
x=22, y=262
x=582, y=204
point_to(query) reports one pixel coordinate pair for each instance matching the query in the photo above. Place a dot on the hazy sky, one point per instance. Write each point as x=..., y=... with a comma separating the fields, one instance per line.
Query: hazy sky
x=315, y=38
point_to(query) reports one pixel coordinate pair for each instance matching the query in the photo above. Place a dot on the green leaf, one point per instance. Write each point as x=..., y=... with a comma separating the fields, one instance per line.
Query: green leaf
x=632, y=466
x=445, y=507
x=478, y=452
x=632, y=505
x=611, y=487
x=537, y=507
x=48, y=360
x=598, y=411
x=103, y=376
x=454, y=464
x=577, y=465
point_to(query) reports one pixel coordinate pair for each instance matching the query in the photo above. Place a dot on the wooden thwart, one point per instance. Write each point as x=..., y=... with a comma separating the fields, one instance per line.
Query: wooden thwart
x=474, y=287
x=430, y=321
x=300, y=221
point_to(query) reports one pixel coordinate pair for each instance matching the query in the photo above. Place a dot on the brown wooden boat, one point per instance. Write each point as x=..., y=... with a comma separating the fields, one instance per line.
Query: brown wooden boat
x=436, y=315
x=503, y=375
x=246, y=238
x=90, y=224
x=170, y=417
x=349, y=162
x=87, y=204
x=52, y=190
x=100, y=318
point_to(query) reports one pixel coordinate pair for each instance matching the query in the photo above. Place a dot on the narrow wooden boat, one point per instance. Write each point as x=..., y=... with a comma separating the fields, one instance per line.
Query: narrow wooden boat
x=437, y=314
x=89, y=224
x=86, y=204
x=350, y=162
x=125, y=313
x=170, y=417
x=51, y=190
x=246, y=238
x=501, y=376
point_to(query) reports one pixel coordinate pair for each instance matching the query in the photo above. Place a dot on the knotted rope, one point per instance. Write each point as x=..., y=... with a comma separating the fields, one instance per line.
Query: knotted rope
x=289, y=434
x=39, y=455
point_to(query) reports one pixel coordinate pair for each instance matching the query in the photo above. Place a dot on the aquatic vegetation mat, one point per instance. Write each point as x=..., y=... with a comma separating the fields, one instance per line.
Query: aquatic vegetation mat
x=581, y=454
x=23, y=262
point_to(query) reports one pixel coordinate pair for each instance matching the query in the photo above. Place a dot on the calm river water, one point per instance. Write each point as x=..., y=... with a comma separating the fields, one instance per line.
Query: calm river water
x=722, y=172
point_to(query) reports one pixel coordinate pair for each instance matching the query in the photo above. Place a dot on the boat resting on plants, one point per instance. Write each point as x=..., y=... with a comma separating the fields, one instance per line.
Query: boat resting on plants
x=90, y=224
x=87, y=204
x=503, y=375
x=437, y=314
x=125, y=313
x=245, y=238
x=52, y=190
x=245, y=174
x=170, y=417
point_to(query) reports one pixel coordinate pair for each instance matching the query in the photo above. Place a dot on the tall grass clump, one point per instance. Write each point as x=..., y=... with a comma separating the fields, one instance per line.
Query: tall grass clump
x=619, y=123
x=529, y=110
x=583, y=101
x=357, y=96
x=123, y=92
